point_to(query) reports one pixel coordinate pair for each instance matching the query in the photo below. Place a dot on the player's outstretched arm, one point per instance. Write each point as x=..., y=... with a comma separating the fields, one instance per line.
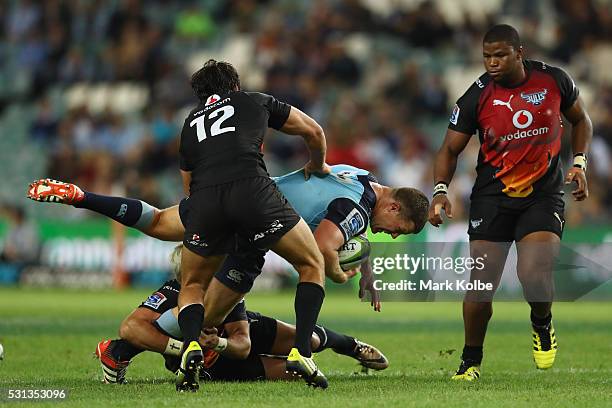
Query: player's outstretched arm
x=299, y=123
x=445, y=164
x=161, y=224
x=582, y=133
x=138, y=329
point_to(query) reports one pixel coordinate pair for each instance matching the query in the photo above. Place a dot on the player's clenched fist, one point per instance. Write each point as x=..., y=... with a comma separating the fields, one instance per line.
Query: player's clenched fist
x=438, y=203
x=209, y=338
x=312, y=168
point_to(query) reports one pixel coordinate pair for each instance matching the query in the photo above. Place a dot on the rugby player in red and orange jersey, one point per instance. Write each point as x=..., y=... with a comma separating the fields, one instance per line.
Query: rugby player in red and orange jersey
x=516, y=109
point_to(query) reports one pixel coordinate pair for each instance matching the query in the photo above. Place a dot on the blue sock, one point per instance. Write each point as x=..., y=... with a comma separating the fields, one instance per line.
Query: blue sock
x=127, y=211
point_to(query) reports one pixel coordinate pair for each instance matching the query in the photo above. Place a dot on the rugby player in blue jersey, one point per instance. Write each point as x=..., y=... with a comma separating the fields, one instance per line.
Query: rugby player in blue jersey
x=337, y=207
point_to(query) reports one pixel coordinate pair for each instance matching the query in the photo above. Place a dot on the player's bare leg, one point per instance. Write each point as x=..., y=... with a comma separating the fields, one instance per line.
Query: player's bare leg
x=299, y=248
x=536, y=257
x=219, y=300
x=166, y=225
x=163, y=224
x=196, y=274
x=275, y=368
x=478, y=305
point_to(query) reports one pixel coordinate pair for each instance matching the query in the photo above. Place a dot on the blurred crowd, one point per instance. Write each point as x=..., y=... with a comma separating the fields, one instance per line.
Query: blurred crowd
x=380, y=79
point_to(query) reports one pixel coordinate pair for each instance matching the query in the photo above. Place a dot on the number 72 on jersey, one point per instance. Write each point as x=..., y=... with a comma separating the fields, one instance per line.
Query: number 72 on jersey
x=226, y=112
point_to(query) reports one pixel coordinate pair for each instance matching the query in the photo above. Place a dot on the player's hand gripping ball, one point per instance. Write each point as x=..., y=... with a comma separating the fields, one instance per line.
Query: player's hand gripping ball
x=354, y=252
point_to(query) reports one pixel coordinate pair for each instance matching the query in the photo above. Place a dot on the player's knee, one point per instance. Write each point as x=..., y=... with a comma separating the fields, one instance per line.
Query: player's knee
x=314, y=261
x=311, y=266
x=479, y=308
x=536, y=276
x=152, y=228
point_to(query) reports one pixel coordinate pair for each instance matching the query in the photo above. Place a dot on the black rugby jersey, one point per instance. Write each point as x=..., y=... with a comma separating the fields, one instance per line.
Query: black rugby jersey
x=221, y=140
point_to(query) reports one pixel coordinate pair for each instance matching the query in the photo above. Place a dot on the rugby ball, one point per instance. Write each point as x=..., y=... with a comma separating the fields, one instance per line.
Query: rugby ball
x=354, y=252
x=1, y=352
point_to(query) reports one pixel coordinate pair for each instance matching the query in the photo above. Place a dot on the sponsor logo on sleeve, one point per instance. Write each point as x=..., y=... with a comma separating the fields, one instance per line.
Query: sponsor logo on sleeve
x=353, y=223
x=455, y=115
x=155, y=300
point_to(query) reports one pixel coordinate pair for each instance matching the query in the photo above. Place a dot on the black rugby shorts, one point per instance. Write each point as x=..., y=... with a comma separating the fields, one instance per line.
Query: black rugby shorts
x=511, y=219
x=252, y=210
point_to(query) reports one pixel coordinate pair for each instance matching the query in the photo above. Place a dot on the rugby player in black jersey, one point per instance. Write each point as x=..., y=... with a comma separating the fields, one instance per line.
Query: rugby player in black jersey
x=516, y=109
x=232, y=199
x=246, y=346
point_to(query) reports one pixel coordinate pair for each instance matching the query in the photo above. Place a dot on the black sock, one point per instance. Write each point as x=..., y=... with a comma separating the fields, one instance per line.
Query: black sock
x=126, y=211
x=472, y=354
x=123, y=350
x=541, y=321
x=340, y=343
x=320, y=331
x=308, y=300
x=190, y=320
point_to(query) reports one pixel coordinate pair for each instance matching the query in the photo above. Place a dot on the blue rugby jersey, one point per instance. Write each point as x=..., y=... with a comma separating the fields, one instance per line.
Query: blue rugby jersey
x=344, y=197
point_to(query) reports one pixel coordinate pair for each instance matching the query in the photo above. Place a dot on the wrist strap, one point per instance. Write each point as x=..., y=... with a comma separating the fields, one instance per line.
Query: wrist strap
x=174, y=347
x=580, y=161
x=440, y=188
x=221, y=345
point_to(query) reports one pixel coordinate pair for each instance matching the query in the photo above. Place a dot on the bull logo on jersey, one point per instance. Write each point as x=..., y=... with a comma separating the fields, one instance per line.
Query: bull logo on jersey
x=535, y=98
x=476, y=223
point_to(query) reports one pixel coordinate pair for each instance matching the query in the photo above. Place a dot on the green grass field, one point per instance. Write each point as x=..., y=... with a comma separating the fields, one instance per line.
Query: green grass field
x=49, y=337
